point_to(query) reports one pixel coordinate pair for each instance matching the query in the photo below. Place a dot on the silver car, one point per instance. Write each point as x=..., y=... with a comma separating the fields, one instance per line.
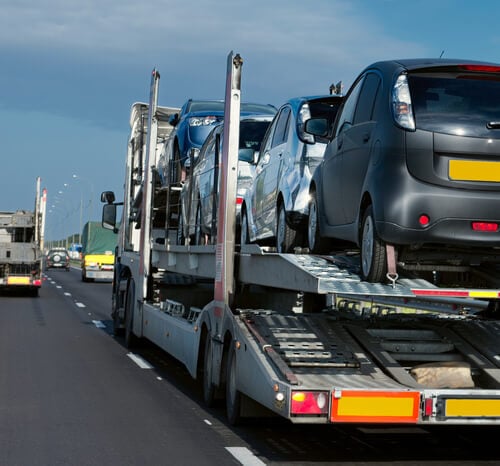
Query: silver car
x=198, y=204
x=276, y=210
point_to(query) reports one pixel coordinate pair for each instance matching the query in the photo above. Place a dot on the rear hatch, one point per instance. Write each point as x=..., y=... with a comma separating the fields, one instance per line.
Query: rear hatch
x=456, y=141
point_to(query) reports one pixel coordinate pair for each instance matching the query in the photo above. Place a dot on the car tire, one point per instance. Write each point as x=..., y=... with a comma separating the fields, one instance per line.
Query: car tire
x=176, y=164
x=180, y=238
x=130, y=339
x=373, y=252
x=315, y=242
x=244, y=238
x=285, y=236
x=198, y=232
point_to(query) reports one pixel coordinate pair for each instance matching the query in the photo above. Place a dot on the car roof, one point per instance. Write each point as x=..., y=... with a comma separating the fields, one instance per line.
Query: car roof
x=411, y=64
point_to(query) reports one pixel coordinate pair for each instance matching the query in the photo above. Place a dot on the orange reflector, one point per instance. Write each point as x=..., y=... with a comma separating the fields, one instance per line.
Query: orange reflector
x=472, y=408
x=18, y=280
x=376, y=406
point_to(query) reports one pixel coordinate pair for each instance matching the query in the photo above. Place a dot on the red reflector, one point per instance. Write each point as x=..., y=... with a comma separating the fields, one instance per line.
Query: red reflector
x=483, y=68
x=484, y=226
x=37, y=282
x=239, y=200
x=424, y=220
x=428, y=407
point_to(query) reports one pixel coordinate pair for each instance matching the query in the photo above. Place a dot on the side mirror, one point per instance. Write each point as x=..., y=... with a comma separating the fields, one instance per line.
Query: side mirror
x=108, y=197
x=246, y=155
x=317, y=127
x=109, y=216
x=173, y=119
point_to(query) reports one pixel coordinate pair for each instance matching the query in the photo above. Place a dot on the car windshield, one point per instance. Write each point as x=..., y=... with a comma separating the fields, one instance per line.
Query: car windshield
x=252, y=133
x=453, y=104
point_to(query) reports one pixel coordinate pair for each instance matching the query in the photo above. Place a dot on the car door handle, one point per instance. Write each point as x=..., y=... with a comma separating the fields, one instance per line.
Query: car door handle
x=366, y=137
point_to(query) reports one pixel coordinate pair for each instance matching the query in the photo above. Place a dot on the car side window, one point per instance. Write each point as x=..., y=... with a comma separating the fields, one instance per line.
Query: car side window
x=366, y=100
x=346, y=118
x=281, y=132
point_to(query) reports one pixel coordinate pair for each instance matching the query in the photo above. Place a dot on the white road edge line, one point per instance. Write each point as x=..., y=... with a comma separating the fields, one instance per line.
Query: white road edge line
x=245, y=456
x=142, y=363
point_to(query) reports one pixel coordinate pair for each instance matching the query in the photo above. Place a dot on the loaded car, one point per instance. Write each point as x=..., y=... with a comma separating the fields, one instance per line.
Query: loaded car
x=191, y=127
x=413, y=168
x=199, y=192
x=278, y=205
x=57, y=258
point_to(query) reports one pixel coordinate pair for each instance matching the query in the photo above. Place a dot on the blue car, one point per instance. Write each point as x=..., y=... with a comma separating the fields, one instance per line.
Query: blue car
x=191, y=127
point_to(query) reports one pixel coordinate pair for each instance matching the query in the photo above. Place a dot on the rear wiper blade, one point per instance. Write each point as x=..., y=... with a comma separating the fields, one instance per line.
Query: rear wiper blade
x=493, y=125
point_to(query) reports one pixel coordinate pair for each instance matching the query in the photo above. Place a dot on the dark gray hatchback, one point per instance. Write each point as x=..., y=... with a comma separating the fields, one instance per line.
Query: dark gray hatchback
x=414, y=163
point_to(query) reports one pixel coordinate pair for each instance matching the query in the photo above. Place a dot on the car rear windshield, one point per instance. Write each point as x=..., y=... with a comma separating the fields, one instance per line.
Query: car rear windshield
x=463, y=104
x=218, y=106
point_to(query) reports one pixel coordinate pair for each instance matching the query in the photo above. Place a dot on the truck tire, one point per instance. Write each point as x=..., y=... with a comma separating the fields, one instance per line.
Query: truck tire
x=208, y=386
x=130, y=338
x=233, y=396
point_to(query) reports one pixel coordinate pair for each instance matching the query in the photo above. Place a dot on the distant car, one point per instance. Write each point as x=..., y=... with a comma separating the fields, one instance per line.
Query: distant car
x=278, y=205
x=198, y=195
x=191, y=127
x=57, y=258
x=414, y=163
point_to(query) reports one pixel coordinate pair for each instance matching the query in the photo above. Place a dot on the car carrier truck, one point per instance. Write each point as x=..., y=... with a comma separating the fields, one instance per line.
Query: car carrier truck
x=298, y=334
x=21, y=245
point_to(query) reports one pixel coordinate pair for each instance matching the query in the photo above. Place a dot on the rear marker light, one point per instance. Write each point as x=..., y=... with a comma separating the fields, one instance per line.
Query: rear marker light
x=428, y=407
x=485, y=226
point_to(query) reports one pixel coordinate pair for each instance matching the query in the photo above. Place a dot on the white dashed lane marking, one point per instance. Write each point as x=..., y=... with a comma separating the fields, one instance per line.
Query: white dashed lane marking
x=245, y=456
x=142, y=363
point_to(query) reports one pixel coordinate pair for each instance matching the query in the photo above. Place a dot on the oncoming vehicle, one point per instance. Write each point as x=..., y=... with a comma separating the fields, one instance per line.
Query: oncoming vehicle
x=199, y=193
x=277, y=207
x=57, y=258
x=191, y=127
x=412, y=174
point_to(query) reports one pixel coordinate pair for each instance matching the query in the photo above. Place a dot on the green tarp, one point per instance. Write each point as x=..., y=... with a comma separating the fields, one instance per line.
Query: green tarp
x=97, y=240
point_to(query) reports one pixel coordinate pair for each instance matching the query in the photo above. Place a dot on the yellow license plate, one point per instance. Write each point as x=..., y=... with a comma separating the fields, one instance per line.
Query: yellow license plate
x=470, y=170
x=18, y=280
x=472, y=408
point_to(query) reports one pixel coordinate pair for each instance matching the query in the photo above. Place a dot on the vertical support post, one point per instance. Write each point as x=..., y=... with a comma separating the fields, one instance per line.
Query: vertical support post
x=147, y=195
x=226, y=218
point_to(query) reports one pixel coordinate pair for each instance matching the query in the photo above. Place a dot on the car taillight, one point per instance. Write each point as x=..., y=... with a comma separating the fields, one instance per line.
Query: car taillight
x=401, y=103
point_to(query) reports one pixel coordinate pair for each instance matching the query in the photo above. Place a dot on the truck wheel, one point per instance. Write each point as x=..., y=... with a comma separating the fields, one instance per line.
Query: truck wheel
x=208, y=386
x=130, y=338
x=373, y=253
x=233, y=396
x=316, y=244
x=285, y=236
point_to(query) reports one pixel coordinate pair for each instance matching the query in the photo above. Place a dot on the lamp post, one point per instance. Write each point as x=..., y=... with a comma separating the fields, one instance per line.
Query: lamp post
x=79, y=178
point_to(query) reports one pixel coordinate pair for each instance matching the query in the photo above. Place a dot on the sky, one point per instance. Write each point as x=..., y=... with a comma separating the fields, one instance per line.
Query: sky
x=70, y=71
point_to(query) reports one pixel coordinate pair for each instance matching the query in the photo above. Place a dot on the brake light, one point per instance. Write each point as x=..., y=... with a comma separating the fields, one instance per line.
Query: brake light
x=485, y=226
x=481, y=68
x=309, y=403
x=401, y=103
